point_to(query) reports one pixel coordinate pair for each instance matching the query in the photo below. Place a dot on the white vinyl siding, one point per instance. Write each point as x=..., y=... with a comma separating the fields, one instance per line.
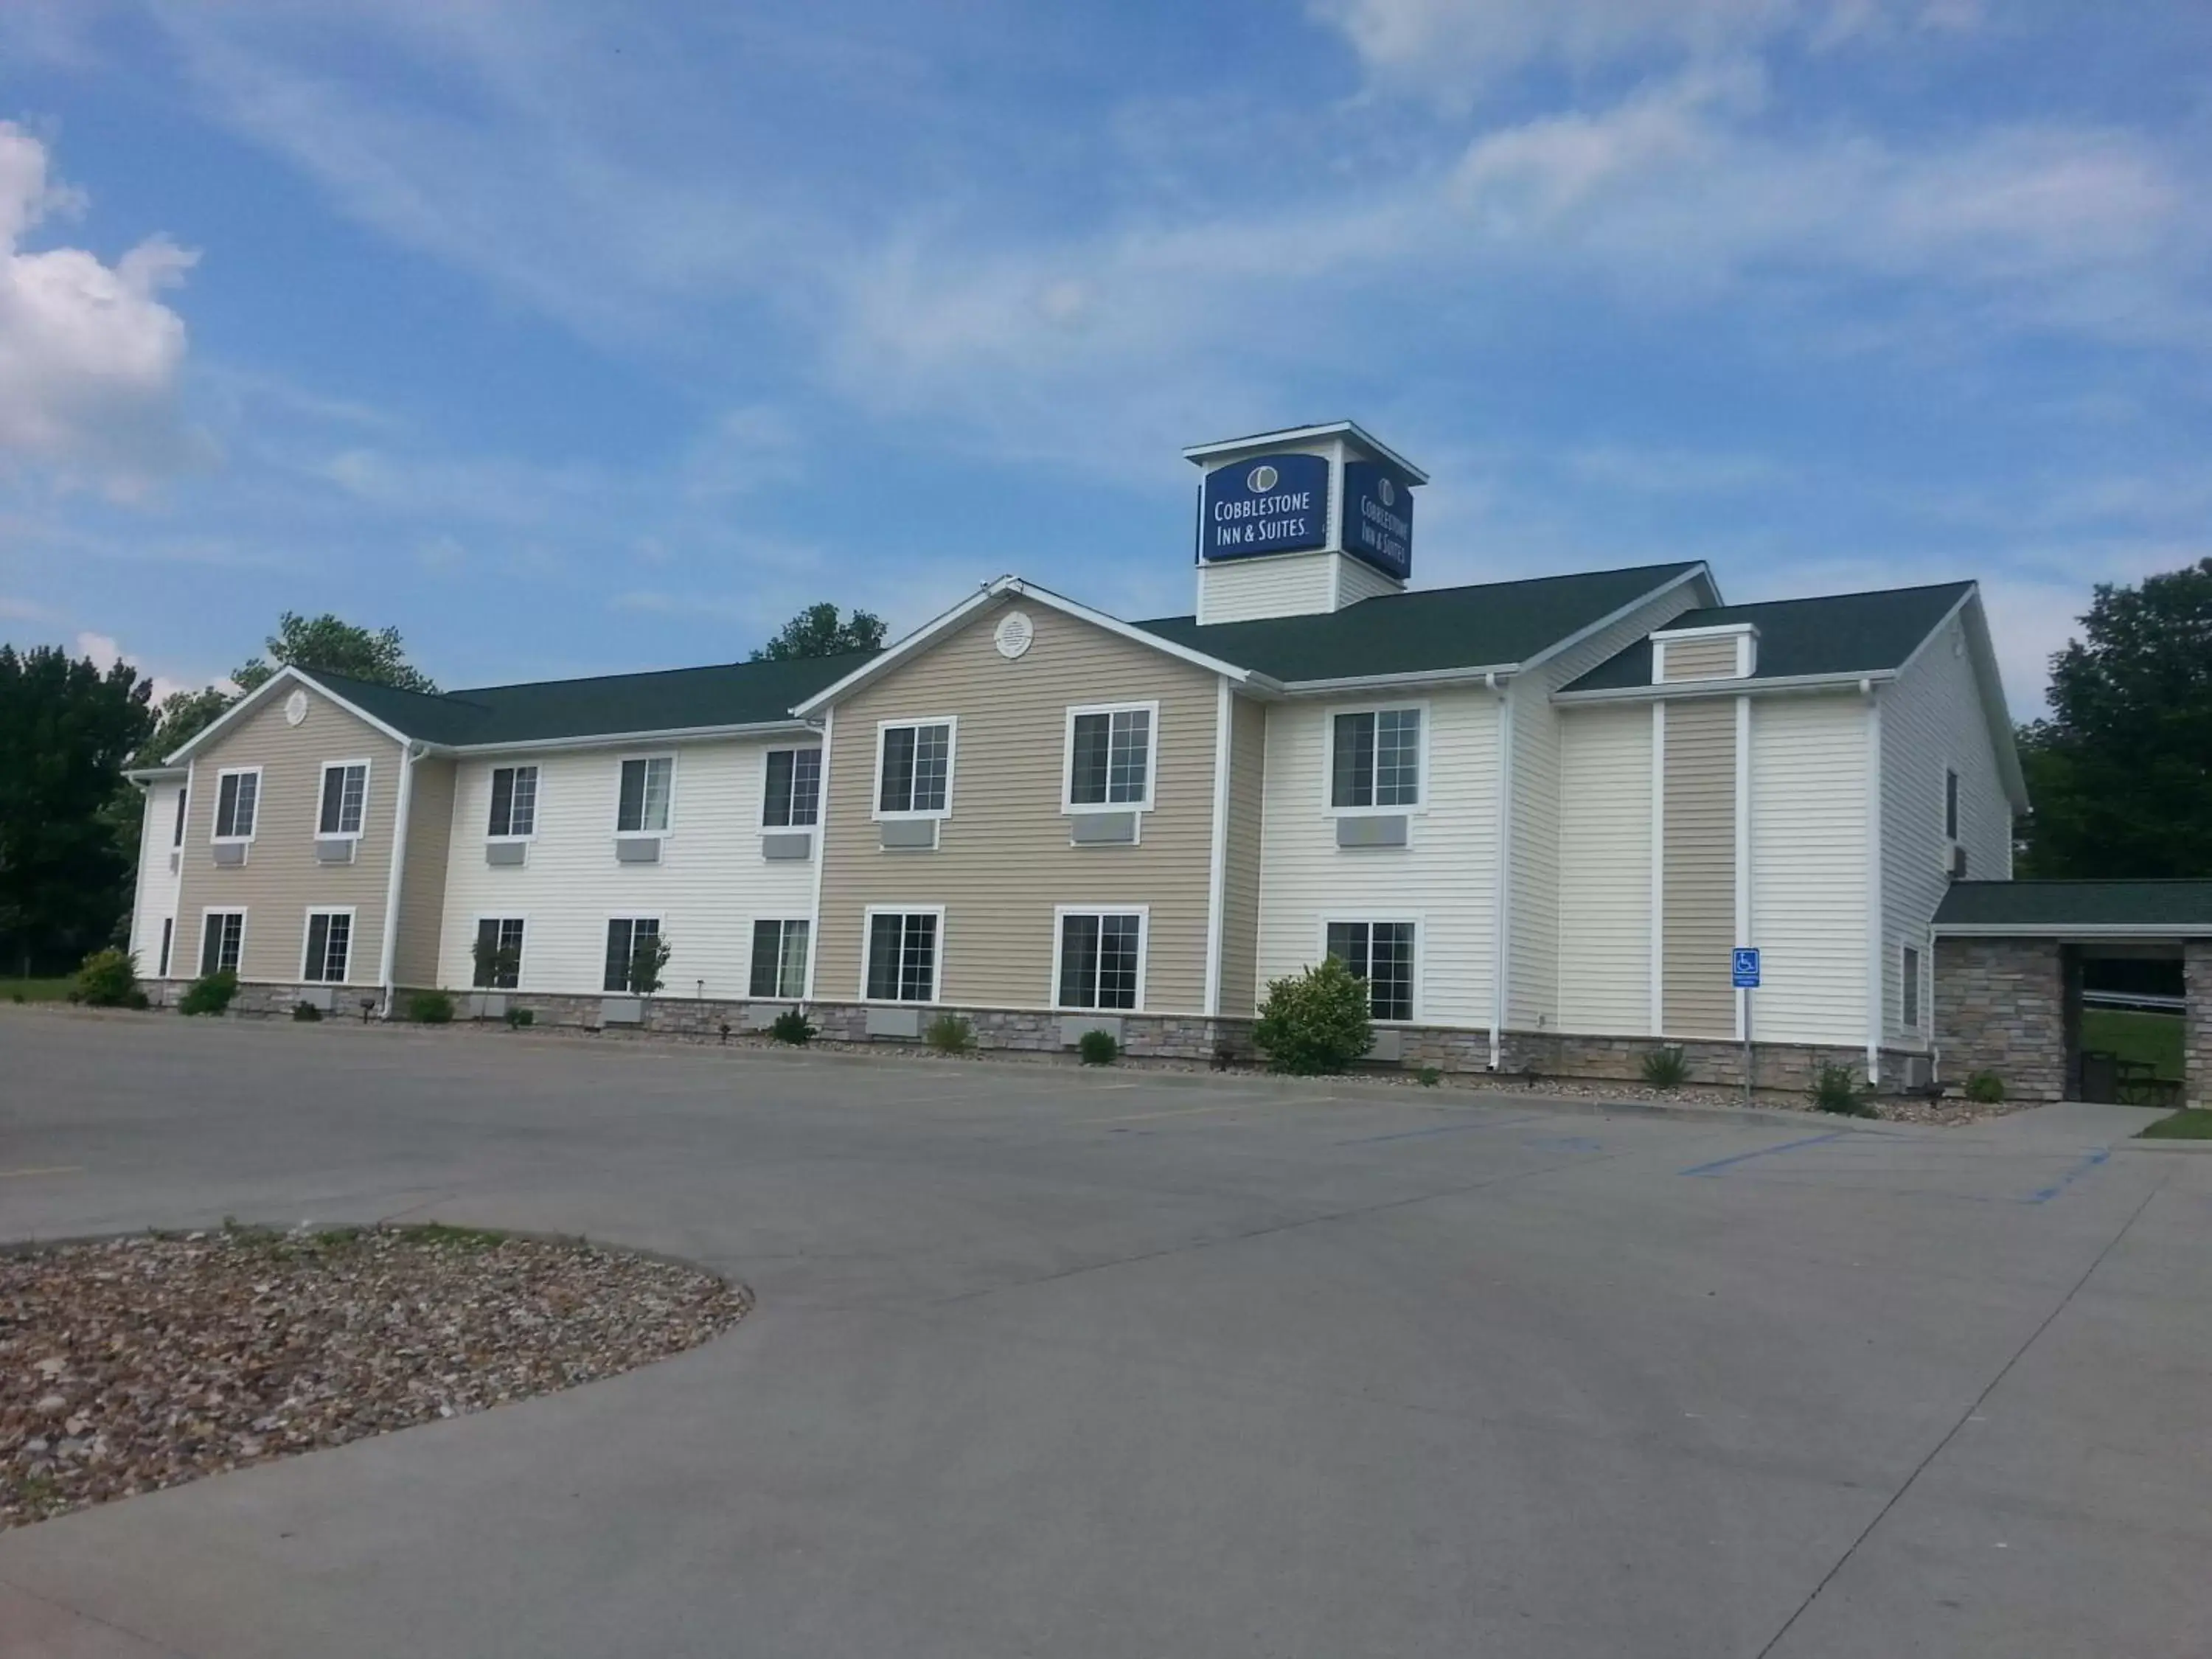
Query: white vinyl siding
x=154, y=901
x=1533, y=905
x=709, y=888
x=1809, y=868
x=1283, y=585
x=1449, y=866
x=1932, y=721
x=1604, y=871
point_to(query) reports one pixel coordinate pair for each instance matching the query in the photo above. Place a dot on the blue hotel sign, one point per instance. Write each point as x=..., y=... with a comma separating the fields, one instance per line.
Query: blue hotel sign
x=1280, y=504
x=1271, y=504
x=1378, y=517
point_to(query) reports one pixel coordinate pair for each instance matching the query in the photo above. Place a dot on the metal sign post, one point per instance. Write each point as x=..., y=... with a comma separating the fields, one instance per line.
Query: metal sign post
x=1743, y=973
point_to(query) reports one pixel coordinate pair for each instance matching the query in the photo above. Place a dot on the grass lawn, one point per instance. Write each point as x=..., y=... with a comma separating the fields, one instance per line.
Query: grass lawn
x=2132, y=1035
x=2184, y=1125
x=36, y=990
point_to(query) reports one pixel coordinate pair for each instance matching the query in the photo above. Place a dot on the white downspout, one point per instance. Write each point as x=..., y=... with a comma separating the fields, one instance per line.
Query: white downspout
x=821, y=855
x=1218, y=873
x=1877, y=1005
x=388, y=947
x=1501, y=899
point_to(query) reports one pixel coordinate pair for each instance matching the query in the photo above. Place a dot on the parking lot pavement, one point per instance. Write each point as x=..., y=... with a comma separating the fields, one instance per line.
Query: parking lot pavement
x=1051, y=1362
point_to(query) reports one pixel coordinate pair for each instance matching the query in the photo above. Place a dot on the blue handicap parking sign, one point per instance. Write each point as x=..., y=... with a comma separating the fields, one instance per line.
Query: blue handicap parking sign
x=1746, y=968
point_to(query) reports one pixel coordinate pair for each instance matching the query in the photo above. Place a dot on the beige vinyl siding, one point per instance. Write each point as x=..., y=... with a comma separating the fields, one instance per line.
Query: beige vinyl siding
x=710, y=887
x=1809, y=868
x=1003, y=859
x=423, y=875
x=1240, y=908
x=1604, y=871
x=1444, y=881
x=1532, y=905
x=1698, y=869
x=1285, y=585
x=1700, y=659
x=280, y=882
x=1932, y=718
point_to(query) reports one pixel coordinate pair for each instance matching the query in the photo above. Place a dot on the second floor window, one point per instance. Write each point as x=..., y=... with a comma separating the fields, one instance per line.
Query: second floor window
x=177, y=839
x=345, y=795
x=794, y=788
x=1375, y=758
x=514, y=801
x=1110, y=758
x=917, y=769
x=236, y=797
x=1950, y=805
x=646, y=787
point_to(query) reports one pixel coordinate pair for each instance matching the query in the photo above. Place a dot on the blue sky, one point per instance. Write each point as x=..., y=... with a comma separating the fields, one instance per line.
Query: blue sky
x=571, y=342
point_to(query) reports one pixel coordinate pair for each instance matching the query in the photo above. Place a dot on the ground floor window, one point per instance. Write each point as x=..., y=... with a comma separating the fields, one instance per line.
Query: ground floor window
x=902, y=955
x=780, y=958
x=168, y=934
x=222, y=939
x=1912, y=987
x=628, y=937
x=1101, y=954
x=498, y=952
x=330, y=944
x=1381, y=953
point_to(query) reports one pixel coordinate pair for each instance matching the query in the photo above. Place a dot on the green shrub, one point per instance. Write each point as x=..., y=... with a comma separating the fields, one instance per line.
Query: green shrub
x=793, y=1027
x=518, y=1017
x=1315, y=1022
x=949, y=1034
x=1666, y=1068
x=1838, y=1089
x=1430, y=1076
x=108, y=978
x=210, y=993
x=306, y=1013
x=1097, y=1048
x=430, y=1008
x=647, y=960
x=1985, y=1088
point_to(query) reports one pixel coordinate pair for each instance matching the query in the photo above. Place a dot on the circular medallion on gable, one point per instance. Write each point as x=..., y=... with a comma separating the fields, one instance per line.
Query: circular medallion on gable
x=1014, y=635
x=295, y=708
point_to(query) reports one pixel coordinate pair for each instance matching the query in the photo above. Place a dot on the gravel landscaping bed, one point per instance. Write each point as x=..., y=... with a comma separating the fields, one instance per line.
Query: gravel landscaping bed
x=144, y=1363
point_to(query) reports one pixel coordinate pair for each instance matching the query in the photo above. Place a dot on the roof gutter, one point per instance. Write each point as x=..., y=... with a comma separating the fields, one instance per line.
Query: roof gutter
x=1858, y=680
x=142, y=776
x=1489, y=675
x=628, y=739
x=2089, y=930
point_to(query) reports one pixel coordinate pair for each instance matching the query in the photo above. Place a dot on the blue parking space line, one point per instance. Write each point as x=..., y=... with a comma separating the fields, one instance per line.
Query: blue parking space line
x=2090, y=1161
x=1720, y=1164
x=1441, y=1129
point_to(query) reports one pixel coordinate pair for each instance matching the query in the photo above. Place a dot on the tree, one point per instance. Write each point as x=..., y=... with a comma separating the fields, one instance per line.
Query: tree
x=1315, y=1022
x=2120, y=774
x=182, y=716
x=325, y=641
x=816, y=632
x=66, y=729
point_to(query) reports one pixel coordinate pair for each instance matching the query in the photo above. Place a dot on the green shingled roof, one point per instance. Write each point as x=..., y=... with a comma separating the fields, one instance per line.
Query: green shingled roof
x=1495, y=625
x=1840, y=634
x=674, y=699
x=2061, y=906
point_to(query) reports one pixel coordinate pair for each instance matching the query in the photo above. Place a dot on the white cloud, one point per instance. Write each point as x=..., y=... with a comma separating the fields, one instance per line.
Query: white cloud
x=89, y=358
x=1456, y=49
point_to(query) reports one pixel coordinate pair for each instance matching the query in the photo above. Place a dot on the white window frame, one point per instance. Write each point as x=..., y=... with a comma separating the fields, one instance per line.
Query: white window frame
x=1421, y=801
x=668, y=754
x=1415, y=919
x=1068, y=804
x=633, y=917
x=538, y=798
x=322, y=783
x=867, y=929
x=522, y=951
x=208, y=913
x=821, y=790
x=307, y=934
x=782, y=925
x=214, y=817
x=1060, y=915
x=952, y=725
